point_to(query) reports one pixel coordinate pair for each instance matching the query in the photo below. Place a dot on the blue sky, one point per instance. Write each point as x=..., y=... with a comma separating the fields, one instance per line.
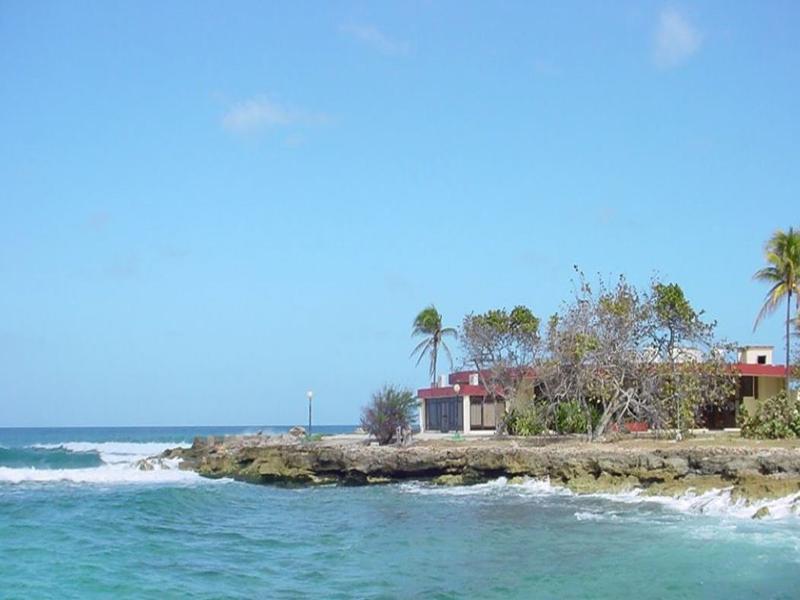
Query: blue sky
x=208, y=208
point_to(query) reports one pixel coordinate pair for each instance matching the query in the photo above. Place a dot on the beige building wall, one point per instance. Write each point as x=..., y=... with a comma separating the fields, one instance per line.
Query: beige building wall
x=750, y=354
x=767, y=388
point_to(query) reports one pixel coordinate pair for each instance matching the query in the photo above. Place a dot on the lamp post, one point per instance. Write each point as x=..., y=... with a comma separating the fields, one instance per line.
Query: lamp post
x=457, y=388
x=310, y=395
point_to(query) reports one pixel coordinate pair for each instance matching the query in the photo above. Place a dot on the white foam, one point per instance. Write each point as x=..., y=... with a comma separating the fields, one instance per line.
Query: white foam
x=117, y=452
x=162, y=472
x=499, y=486
x=124, y=462
x=719, y=502
x=596, y=516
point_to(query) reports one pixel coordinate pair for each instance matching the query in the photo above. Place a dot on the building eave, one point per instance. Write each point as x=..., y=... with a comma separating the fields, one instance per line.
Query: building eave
x=449, y=391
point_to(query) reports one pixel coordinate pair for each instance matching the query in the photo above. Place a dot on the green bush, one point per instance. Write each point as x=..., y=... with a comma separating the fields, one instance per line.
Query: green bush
x=571, y=418
x=775, y=418
x=389, y=409
x=526, y=419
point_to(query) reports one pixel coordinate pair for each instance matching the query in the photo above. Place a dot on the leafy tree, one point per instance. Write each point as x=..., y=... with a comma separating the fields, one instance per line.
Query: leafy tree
x=391, y=408
x=428, y=323
x=782, y=273
x=593, y=374
x=688, y=377
x=616, y=353
x=502, y=346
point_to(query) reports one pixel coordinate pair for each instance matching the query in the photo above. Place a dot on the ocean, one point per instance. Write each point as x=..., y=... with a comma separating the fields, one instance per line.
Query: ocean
x=78, y=519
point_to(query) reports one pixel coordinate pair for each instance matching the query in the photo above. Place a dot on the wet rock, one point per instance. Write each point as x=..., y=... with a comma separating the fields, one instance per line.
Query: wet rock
x=449, y=480
x=297, y=431
x=749, y=473
x=678, y=465
x=144, y=465
x=756, y=487
x=761, y=513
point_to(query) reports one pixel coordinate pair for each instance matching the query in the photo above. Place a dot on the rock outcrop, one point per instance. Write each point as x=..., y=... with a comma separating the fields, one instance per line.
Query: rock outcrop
x=658, y=468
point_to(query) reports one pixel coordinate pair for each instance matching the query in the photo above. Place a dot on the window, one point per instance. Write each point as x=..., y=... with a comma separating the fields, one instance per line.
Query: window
x=444, y=414
x=485, y=412
x=747, y=386
x=762, y=359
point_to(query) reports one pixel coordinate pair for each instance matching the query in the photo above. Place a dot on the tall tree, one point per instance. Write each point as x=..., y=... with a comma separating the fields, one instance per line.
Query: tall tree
x=675, y=331
x=502, y=346
x=623, y=354
x=428, y=323
x=782, y=254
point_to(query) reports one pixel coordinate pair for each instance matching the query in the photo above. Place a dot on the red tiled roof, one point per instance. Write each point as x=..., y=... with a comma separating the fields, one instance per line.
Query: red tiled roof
x=761, y=370
x=462, y=378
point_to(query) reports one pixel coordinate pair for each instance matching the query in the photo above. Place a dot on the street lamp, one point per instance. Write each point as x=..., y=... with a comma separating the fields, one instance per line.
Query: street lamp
x=457, y=388
x=310, y=395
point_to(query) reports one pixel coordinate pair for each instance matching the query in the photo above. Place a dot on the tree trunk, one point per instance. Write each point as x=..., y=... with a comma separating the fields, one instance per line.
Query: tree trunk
x=788, y=339
x=602, y=425
x=434, y=352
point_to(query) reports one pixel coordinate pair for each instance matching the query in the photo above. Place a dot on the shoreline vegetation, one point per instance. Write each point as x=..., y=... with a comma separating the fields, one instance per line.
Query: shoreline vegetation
x=614, y=355
x=751, y=470
x=617, y=353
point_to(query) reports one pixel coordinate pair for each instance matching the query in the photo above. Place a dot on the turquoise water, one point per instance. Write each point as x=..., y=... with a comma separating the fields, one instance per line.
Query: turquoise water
x=73, y=527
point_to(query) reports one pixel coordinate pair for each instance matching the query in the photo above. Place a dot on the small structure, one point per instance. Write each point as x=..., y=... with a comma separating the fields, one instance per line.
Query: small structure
x=459, y=403
x=759, y=379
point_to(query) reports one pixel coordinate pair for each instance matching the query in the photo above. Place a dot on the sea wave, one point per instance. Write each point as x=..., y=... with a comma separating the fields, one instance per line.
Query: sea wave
x=110, y=474
x=116, y=462
x=718, y=502
x=496, y=487
x=116, y=452
x=48, y=458
x=158, y=471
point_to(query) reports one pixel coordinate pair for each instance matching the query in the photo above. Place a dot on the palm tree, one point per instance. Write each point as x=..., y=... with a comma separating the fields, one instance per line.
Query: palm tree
x=782, y=253
x=429, y=324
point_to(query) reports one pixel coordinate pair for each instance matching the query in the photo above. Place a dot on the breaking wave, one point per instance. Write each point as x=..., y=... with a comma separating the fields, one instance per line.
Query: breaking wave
x=719, y=502
x=93, y=462
x=115, y=452
x=48, y=458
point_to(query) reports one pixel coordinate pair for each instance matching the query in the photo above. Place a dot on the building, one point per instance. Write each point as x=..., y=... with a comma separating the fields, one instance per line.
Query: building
x=460, y=403
x=444, y=407
x=759, y=379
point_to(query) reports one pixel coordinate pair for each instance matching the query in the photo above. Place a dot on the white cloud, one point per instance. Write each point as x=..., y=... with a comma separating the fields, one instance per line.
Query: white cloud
x=676, y=39
x=261, y=113
x=376, y=39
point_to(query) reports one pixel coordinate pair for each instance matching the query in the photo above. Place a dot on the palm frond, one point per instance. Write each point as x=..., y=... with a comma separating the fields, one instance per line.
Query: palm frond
x=768, y=274
x=422, y=349
x=447, y=352
x=782, y=255
x=427, y=321
x=771, y=303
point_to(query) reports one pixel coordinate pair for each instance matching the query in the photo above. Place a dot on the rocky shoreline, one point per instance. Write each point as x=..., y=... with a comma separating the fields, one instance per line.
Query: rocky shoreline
x=658, y=468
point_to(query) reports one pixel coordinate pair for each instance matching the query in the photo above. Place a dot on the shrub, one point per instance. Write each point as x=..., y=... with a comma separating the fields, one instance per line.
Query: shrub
x=775, y=418
x=525, y=419
x=571, y=418
x=390, y=408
